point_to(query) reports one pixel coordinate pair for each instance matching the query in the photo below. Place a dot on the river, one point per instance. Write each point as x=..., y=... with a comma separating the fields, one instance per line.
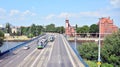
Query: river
x=9, y=45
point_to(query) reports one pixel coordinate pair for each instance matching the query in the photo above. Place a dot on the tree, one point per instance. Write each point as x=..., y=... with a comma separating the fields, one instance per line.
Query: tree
x=8, y=29
x=94, y=28
x=88, y=50
x=33, y=29
x=60, y=29
x=84, y=30
x=39, y=29
x=1, y=37
x=111, y=49
x=50, y=28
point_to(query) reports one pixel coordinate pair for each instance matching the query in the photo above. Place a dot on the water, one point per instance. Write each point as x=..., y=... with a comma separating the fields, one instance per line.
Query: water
x=72, y=44
x=9, y=45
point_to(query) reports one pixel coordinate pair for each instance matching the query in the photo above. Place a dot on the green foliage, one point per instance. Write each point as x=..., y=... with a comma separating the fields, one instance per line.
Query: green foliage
x=1, y=33
x=8, y=29
x=106, y=65
x=60, y=29
x=30, y=35
x=94, y=64
x=84, y=29
x=35, y=30
x=88, y=51
x=91, y=63
x=111, y=49
x=1, y=37
x=94, y=28
x=50, y=28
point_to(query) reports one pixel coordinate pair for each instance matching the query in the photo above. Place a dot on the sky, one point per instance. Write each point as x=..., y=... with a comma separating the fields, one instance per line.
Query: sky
x=44, y=12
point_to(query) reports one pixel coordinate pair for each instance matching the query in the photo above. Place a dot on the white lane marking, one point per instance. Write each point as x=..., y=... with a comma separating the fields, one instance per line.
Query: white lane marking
x=37, y=58
x=50, y=53
x=70, y=57
x=30, y=54
x=43, y=59
x=26, y=58
x=59, y=57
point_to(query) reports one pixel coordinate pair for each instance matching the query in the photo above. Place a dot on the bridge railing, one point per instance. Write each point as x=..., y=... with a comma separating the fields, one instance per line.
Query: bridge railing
x=79, y=62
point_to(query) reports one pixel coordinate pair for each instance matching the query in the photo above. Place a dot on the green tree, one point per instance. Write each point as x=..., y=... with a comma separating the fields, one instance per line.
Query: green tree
x=94, y=28
x=83, y=30
x=60, y=29
x=50, y=28
x=39, y=29
x=8, y=28
x=88, y=50
x=33, y=29
x=111, y=49
x=1, y=37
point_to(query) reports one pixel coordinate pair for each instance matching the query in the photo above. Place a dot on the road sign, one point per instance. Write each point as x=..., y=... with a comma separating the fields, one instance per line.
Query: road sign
x=99, y=63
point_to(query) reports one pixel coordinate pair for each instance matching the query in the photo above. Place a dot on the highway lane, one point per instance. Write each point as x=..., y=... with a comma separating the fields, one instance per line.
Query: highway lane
x=59, y=56
x=38, y=58
x=14, y=58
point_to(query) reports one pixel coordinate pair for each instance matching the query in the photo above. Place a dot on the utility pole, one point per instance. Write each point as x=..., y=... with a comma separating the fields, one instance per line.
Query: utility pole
x=75, y=37
x=99, y=45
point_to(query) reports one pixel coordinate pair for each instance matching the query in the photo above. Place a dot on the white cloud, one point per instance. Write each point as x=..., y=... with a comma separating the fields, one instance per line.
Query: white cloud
x=64, y=15
x=92, y=14
x=96, y=14
x=49, y=16
x=28, y=12
x=14, y=12
x=115, y=3
x=2, y=10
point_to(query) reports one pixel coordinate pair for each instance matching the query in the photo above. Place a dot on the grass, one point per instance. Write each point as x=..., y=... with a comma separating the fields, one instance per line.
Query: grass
x=94, y=64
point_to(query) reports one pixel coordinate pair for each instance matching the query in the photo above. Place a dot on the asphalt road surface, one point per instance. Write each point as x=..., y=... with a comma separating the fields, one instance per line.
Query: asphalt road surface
x=53, y=55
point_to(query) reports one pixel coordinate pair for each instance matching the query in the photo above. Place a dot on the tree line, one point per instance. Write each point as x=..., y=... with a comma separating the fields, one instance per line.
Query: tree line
x=33, y=30
x=85, y=30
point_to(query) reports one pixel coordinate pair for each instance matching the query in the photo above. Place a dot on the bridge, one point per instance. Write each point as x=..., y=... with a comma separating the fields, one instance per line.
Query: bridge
x=55, y=54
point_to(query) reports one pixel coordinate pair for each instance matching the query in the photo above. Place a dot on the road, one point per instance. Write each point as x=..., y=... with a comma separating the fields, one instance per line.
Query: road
x=12, y=59
x=53, y=55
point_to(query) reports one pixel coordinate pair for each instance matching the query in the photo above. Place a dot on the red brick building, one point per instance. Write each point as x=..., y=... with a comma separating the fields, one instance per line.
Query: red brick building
x=106, y=26
x=69, y=30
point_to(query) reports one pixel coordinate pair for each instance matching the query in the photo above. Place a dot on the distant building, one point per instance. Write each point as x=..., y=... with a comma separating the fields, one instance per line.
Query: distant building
x=69, y=30
x=15, y=29
x=106, y=26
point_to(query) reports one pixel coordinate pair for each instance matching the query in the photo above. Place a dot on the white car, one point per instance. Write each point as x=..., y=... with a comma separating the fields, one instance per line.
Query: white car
x=26, y=47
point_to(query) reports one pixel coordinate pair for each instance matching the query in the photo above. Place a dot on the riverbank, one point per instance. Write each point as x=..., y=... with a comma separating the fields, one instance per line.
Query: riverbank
x=16, y=39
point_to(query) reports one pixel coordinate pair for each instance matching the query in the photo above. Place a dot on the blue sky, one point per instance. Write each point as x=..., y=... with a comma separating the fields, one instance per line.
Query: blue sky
x=43, y=12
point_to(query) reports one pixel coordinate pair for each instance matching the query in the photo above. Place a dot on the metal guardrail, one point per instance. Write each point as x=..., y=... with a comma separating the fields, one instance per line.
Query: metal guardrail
x=20, y=45
x=77, y=54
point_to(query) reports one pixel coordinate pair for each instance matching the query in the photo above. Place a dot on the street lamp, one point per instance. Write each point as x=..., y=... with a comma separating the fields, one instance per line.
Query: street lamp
x=75, y=37
x=99, y=46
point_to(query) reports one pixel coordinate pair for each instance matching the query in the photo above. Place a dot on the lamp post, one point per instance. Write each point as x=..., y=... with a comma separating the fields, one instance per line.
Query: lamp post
x=99, y=46
x=75, y=38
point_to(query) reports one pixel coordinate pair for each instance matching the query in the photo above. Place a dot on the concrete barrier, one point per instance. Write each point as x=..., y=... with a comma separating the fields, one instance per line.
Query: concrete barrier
x=78, y=62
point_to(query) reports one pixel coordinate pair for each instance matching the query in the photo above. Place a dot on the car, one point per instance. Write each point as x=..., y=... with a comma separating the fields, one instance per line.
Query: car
x=26, y=47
